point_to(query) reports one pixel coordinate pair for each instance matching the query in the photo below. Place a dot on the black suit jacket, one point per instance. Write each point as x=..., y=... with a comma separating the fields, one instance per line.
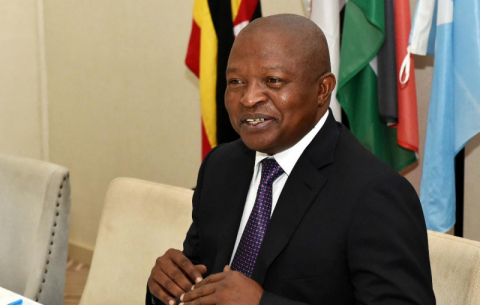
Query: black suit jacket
x=346, y=229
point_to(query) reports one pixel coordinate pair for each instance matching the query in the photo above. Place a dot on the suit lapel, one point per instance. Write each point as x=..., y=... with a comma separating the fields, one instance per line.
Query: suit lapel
x=234, y=195
x=303, y=185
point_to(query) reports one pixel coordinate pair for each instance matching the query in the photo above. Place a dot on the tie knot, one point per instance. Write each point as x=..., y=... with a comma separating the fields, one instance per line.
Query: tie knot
x=271, y=170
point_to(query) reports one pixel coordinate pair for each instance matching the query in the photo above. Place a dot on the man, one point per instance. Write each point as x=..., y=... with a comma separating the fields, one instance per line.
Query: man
x=297, y=211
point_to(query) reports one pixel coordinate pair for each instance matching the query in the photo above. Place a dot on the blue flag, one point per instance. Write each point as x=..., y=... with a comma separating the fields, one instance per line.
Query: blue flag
x=451, y=31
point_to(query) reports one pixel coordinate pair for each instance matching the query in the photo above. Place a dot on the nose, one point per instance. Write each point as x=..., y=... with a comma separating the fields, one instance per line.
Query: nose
x=254, y=94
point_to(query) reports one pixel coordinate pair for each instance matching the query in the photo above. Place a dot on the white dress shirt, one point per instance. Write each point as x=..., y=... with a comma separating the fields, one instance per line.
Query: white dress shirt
x=287, y=160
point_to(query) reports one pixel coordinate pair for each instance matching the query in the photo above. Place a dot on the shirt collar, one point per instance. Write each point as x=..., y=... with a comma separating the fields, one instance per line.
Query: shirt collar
x=289, y=157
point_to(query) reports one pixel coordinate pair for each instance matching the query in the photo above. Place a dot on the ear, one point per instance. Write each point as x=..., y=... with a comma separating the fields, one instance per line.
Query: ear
x=326, y=83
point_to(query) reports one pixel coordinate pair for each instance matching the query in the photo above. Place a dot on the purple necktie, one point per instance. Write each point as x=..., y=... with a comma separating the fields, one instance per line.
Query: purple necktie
x=252, y=237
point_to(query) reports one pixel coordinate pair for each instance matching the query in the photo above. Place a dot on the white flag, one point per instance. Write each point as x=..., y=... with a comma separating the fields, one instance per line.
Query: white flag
x=326, y=14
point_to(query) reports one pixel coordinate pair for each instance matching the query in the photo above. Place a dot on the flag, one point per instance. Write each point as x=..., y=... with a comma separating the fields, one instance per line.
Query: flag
x=397, y=100
x=363, y=36
x=449, y=30
x=387, y=70
x=215, y=24
x=407, y=126
x=326, y=14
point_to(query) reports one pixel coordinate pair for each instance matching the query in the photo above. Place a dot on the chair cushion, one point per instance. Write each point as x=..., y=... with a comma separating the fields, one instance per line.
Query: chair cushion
x=140, y=221
x=455, y=269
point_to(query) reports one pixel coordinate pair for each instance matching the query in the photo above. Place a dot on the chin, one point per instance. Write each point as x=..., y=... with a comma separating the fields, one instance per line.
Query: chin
x=266, y=149
x=257, y=145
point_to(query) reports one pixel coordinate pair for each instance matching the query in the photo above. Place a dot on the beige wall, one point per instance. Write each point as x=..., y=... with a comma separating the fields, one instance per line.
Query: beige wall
x=472, y=189
x=22, y=103
x=122, y=103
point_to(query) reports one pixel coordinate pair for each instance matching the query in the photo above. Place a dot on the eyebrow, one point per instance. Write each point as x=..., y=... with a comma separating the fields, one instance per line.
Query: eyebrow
x=267, y=68
x=231, y=70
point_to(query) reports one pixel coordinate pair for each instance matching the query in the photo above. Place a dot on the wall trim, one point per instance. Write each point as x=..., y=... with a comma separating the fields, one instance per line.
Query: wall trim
x=42, y=81
x=79, y=253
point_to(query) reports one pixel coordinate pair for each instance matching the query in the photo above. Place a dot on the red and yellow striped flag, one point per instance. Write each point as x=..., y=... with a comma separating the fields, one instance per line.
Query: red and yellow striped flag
x=215, y=25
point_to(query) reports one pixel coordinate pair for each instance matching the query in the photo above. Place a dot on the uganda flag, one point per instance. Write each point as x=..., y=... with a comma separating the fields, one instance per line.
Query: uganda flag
x=215, y=25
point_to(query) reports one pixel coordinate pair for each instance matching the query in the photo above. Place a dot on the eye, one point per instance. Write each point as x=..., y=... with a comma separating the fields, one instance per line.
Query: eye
x=235, y=81
x=273, y=80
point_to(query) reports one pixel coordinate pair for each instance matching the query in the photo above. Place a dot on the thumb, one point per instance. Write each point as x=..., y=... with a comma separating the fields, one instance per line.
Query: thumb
x=227, y=268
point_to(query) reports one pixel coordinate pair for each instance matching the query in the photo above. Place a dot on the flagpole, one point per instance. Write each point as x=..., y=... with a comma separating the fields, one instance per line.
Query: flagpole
x=459, y=191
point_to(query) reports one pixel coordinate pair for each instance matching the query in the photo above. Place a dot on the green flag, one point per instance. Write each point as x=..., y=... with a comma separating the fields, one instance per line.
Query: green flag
x=363, y=35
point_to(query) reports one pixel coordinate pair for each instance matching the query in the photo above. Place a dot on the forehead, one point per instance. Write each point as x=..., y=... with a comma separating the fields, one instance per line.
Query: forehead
x=267, y=49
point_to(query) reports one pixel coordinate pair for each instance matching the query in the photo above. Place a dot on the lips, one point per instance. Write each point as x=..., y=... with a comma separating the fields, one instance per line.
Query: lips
x=256, y=120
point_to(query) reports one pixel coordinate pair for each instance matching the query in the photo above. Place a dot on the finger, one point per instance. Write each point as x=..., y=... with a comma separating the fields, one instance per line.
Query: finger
x=209, y=280
x=227, y=268
x=157, y=291
x=186, y=266
x=198, y=293
x=201, y=268
x=206, y=300
x=168, y=284
x=177, y=277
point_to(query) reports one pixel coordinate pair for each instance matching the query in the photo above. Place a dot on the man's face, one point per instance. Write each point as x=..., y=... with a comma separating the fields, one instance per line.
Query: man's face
x=272, y=95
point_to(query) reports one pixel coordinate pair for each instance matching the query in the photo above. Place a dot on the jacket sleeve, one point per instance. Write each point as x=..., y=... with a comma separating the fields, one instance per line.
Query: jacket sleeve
x=387, y=247
x=191, y=245
x=151, y=300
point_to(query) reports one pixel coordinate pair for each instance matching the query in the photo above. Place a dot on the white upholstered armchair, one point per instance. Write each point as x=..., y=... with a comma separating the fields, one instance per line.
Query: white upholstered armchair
x=34, y=223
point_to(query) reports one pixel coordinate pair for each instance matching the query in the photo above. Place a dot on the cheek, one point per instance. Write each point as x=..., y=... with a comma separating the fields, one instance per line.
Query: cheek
x=233, y=113
x=291, y=108
x=297, y=116
x=230, y=104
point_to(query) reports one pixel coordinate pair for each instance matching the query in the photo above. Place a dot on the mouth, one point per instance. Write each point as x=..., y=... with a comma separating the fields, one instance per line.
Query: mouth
x=256, y=120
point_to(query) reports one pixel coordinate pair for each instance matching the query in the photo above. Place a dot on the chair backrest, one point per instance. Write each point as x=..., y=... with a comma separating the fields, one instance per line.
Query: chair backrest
x=455, y=269
x=140, y=221
x=34, y=224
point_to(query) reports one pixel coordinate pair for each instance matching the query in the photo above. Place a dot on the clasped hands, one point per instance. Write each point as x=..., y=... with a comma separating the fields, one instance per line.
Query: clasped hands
x=174, y=276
